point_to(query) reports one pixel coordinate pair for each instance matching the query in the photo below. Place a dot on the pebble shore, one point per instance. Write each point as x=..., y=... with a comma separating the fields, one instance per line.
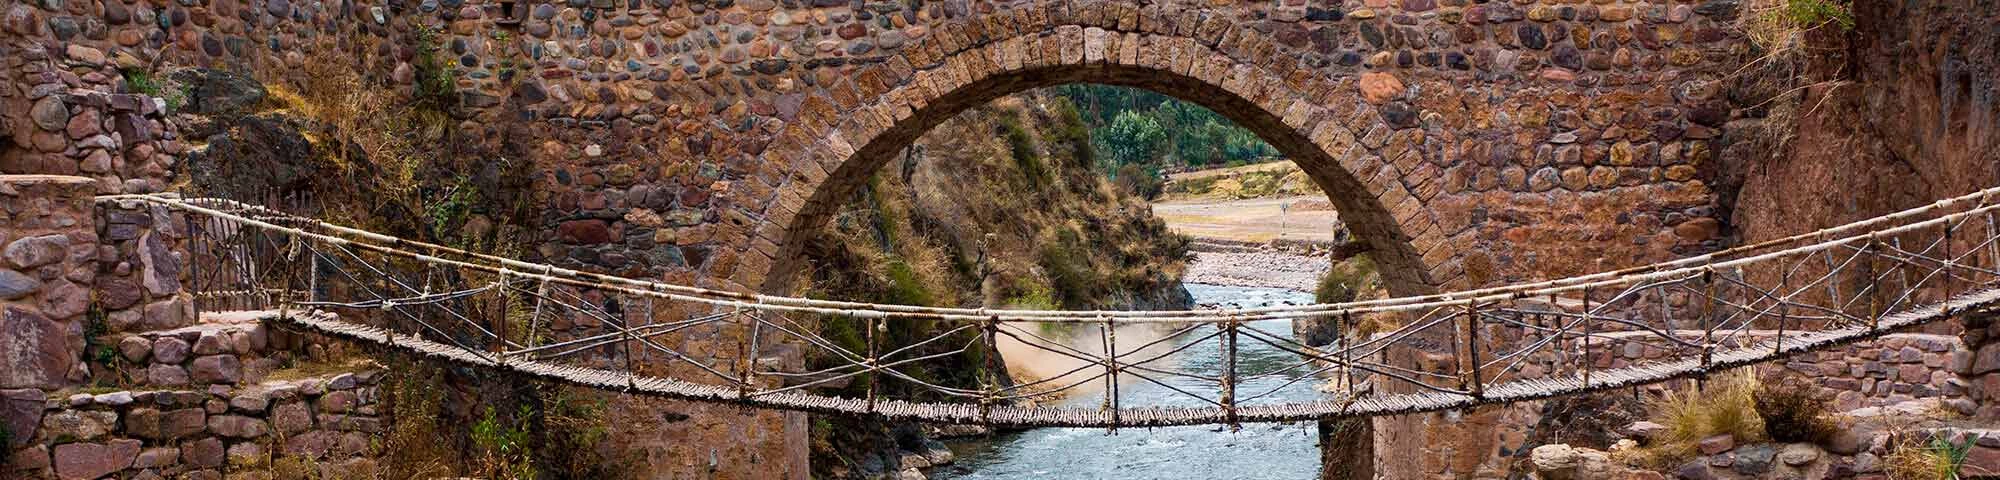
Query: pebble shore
x=1270, y=269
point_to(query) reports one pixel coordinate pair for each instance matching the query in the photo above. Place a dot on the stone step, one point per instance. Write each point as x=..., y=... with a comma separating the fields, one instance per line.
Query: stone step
x=222, y=348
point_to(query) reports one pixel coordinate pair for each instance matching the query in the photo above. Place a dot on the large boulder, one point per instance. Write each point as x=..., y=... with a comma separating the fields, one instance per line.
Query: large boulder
x=262, y=154
x=37, y=353
x=1563, y=462
x=85, y=461
x=219, y=92
x=21, y=414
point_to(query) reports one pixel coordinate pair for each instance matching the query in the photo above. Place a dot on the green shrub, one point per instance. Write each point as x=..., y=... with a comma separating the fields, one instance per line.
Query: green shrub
x=906, y=287
x=1022, y=147
x=6, y=440
x=143, y=82
x=503, y=447
x=1809, y=14
x=1794, y=411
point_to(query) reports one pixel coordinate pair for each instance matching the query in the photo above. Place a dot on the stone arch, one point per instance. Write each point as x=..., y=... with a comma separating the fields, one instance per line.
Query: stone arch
x=847, y=132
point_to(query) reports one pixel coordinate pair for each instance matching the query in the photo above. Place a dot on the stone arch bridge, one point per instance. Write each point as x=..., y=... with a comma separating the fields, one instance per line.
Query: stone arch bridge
x=1469, y=143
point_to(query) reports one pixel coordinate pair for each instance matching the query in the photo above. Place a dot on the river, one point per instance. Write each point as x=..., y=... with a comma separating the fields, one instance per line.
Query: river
x=1257, y=451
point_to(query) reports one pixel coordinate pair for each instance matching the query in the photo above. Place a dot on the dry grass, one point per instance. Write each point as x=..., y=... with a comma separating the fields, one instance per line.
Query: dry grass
x=416, y=445
x=321, y=368
x=1934, y=458
x=1726, y=405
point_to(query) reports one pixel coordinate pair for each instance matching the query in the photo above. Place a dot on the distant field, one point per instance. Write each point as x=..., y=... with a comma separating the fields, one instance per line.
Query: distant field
x=1251, y=220
x=1213, y=172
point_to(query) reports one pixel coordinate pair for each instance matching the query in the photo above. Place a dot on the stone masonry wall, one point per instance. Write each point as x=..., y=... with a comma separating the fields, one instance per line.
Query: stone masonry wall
x=69, y=114
x=142, y=260
x=48, y=251
x=327, y=427
x=696, y=141
x=1979, y=366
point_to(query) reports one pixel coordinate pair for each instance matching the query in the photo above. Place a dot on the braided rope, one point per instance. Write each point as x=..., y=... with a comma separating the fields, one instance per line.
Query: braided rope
x=380, y=243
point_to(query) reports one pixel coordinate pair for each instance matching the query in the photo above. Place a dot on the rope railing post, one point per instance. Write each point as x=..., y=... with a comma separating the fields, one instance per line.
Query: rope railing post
x=1346, y=350
x=1229, y=329
x=1874, y=252
x=1950, y=278
x=500, y=331
x=1588, y=320
x=631, y=370
x=742, y=356
x=1784, y=308
x=994, y=366
x=871, y=364
x=1708, y=322
x=200, y=238
x=535, y=319
x=1472, y=348
x=1111, y=368
x=1993, y=247
x=1902, y=268
x=756, y=339
x=1832, y=277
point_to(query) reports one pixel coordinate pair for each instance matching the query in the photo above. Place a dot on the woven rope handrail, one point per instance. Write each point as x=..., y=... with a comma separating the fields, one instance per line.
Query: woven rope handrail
x=1504, y=343
x=1038, y=416
x=725, y=299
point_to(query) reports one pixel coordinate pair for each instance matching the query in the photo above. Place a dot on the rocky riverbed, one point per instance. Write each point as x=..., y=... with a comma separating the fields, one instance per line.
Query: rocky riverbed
x=1266, y=269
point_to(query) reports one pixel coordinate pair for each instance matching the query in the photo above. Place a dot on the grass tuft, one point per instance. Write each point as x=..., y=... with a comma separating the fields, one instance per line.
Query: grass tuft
x=1726, y=405
x=1934, y=459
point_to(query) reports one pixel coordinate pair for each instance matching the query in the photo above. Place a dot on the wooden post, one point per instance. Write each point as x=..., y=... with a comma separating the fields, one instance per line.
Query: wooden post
x=1346, y=350
x=500, y=331
x=1784, y=307
x=993, y=367
x=1112, y=368
x=1472, y=347
x=1229, y=372
x=1992, y=248
x=631, y=374
x=871, y=365
x=1707, y=319
x=1588, y=363
x=743, y=360
x=1949, y=264
x=1874, y=283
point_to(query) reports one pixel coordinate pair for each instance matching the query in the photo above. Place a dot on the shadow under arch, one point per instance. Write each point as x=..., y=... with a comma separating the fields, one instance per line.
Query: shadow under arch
x=1329, y=161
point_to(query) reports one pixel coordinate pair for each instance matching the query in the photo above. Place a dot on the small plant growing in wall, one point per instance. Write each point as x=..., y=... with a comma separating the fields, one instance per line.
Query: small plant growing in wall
x=503, y=447
x=1778, y=27
x=142, y=81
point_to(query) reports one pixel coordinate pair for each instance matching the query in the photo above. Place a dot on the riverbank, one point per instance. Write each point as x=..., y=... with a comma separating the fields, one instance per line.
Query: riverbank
x=1262, y=269
x=1273, y=451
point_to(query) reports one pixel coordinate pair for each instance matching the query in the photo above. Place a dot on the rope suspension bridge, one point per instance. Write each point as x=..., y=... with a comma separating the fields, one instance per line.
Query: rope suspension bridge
x=1529, y=341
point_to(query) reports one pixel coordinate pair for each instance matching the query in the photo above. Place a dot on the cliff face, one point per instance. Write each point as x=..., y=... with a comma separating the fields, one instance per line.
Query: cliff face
x=1895, y=113
x=997, y=207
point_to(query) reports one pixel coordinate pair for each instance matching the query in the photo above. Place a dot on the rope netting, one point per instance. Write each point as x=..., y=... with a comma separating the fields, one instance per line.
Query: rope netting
x=1674, y=320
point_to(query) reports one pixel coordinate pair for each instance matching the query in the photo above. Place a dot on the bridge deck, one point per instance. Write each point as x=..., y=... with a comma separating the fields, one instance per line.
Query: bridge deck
x=1391, y=404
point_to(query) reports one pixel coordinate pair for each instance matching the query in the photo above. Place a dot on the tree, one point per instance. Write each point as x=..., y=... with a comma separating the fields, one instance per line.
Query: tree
x=1133, y=137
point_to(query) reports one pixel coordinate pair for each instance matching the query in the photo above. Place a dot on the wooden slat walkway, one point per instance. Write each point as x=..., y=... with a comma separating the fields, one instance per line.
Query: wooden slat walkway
x=1015, y=416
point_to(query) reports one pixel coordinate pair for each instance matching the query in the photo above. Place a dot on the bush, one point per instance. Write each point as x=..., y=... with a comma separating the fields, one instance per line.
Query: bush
x=1794, y=411
x=1726, y=405
x=1135, y=180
